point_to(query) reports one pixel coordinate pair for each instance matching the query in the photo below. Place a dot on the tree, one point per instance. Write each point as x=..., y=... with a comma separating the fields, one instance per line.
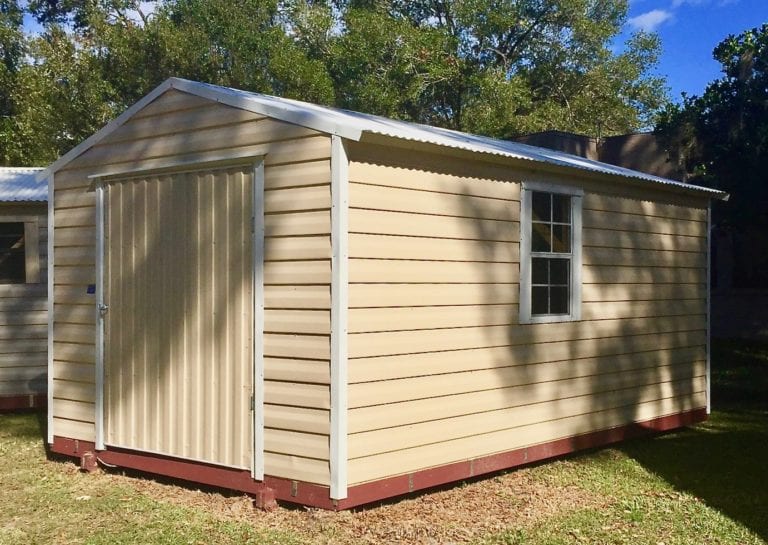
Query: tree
x=720, y=139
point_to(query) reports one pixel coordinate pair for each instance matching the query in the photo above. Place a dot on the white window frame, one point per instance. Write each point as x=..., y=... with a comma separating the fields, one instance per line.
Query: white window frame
x=31, y=246
x=526, y=225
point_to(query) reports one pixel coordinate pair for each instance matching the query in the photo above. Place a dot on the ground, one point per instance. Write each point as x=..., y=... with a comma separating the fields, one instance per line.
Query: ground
x=705, y=484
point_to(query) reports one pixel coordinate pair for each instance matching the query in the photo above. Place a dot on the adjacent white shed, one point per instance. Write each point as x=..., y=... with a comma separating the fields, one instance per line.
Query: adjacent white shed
x=23, y=273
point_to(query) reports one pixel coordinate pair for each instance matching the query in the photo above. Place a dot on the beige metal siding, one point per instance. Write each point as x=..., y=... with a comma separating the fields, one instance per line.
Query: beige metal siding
x=440, y=370
x=23, y=309
x=179, y=331
x=178, y=126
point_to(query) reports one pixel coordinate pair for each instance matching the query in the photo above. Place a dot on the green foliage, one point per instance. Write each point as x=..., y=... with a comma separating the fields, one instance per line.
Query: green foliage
x=495, y=67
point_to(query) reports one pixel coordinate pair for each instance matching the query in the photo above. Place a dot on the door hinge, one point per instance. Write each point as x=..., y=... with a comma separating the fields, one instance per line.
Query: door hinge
x=253, y=403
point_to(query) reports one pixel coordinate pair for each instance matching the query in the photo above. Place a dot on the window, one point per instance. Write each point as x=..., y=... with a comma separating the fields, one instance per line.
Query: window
x=12, y=253
x=550, y=253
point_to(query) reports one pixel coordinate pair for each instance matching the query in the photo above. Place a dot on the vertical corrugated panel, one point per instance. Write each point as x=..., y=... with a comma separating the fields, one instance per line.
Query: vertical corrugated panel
x=179, y=331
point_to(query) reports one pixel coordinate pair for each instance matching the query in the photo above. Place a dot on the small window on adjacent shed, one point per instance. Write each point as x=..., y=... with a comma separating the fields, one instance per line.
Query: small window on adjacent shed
x=12, y=253
x=550, y=253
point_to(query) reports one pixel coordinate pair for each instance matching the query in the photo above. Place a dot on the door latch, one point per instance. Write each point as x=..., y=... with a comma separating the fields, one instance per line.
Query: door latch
x=103, y=309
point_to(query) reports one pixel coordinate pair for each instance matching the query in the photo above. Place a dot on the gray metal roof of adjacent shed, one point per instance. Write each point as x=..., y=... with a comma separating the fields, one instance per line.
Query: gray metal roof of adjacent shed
x=22, y=185
x=355, y=125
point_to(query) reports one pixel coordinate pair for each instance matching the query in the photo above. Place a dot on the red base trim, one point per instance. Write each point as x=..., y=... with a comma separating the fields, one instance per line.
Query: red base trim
x=28, y=401
x=318, y=496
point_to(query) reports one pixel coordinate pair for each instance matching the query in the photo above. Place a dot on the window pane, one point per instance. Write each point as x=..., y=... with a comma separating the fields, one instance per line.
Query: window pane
x=12, y=258
x=561, y=238
x=561, y=208
x=542, y=234
x=558, y=303
x=540, y=270
x=539, y=302
x=558, y=272
x=541, y=205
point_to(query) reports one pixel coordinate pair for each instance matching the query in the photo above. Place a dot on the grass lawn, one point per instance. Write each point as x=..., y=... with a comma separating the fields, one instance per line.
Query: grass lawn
x=707, y=484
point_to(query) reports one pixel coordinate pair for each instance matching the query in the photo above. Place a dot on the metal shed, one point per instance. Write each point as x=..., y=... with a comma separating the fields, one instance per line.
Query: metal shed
x=335, y=308
x=23, y=306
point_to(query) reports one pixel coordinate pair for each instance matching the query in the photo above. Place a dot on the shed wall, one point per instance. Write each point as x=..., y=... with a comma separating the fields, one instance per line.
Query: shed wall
x=441, y=371
x=24, y=314
x=178, y=126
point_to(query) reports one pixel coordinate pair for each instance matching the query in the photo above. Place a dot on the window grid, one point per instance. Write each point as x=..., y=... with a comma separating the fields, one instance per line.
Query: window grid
x=545, y=290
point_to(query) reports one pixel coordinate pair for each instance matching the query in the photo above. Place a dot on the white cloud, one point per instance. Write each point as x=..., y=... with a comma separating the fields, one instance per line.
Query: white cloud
x=650, y=21
x=678, y=3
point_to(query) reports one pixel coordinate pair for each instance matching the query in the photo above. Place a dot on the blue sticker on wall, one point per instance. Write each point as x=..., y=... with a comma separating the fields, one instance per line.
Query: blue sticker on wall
x=91, y=289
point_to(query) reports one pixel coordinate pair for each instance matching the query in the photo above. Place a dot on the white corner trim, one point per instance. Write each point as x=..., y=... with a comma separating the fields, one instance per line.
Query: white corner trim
x=258, y=320
x=100, y=315
x=50, y=268
x=709, y=307
x=339, y=315
x=552, y=188
x=525, y=252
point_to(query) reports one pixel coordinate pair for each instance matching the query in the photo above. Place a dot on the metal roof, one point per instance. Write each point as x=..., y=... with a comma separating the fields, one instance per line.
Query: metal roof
x=355, y=125
x=21, y=185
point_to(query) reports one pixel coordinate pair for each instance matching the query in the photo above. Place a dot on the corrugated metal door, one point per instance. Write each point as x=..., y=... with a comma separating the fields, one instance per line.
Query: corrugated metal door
x=178, y=353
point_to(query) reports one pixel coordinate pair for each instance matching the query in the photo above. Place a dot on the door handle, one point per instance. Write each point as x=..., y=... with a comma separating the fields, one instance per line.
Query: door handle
x=103, y=308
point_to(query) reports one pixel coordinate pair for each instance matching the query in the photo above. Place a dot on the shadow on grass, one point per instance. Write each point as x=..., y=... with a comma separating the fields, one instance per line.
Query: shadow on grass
x=724, y=460
x=18, y=424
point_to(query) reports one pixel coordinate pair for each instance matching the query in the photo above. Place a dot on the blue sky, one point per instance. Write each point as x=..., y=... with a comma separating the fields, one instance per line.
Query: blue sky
x=690, y=30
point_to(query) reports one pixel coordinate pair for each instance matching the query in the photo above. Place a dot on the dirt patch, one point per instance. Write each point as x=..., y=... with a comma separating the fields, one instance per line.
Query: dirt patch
x=459, y=514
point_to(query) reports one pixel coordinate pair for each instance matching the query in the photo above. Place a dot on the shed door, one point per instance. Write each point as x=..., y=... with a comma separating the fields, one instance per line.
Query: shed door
x=178, y=281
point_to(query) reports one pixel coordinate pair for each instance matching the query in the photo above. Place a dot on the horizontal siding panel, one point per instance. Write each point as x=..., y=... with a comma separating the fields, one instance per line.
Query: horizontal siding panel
x=611, y=274
x=75, y=314
x=74, y=236
x=639, y=309
x=73, y=295
x=397, y=247
x=312, y=396
x=76, y=372
x=23, y=387
x=74, y=410
x=75, y=391
x=297, y=346
x=174, y=122
x=22, y=290
x=363, y=345
x=642, y=241
x=408, y=460
x=431, y=181
x=171, y=101
x=287, y=370
x=415, y=272
x=73, y=429
x=24, y=332
x=297, y=297
x=14, y=346
x=296, y=443
x=642, y=292
x=297, y=418
x=413, y=365
x=78, y=353
x=424, y=202
x=75, y=256
x=297, y=248
x=289, y=151
x=69, y=275
x=296, y=200
x=297, y=468
x=22, y=305
x=297, y=175
x=26, y=359
x=26, y=373
x=642, y=258
x=74, y=333
x=414, y=295
x=75, y=217
x=411, y=411
x=298, y=223
x=596, y=201
x=255, y=132
x=23, y=317
x=534, y=384
x=72, y=198
x=316, y=322
x=397, y=319
x=378, y=222
x=374, y=442
x=592, y=219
